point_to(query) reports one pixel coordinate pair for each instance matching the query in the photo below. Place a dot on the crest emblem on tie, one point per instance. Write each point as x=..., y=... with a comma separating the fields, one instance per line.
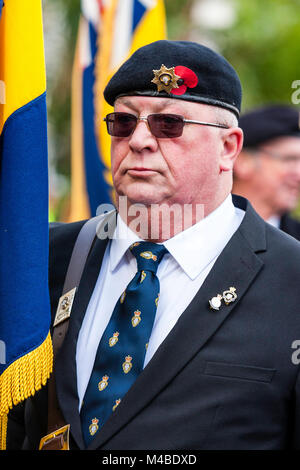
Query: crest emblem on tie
x=143, y=275
x=103, y=383
x=134, y=244
x=118, y=401
x=156, y=300
x=127, y=365
x=114, y=339
x=93, y=428
x=136, y=318
x=148, y=255
x=122, y=298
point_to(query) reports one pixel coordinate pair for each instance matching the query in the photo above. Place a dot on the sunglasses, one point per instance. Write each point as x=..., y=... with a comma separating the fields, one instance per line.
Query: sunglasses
x=161, y=125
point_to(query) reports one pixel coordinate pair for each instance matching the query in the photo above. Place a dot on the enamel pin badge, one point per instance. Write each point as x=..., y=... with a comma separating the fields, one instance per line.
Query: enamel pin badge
x=228, y=296
x=64, y=307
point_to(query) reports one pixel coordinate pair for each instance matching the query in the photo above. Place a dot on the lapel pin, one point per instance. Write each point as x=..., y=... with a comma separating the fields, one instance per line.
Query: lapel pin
x=215, y=302
x=228, y=296
x=64, y=307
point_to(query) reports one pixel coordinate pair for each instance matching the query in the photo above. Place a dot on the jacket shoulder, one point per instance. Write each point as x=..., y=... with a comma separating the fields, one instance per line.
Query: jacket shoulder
x=291, y=226
x=62, y=238
x=284, y=248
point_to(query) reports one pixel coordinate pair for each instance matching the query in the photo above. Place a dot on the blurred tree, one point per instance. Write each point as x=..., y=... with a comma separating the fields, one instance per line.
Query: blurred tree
x=264, y=46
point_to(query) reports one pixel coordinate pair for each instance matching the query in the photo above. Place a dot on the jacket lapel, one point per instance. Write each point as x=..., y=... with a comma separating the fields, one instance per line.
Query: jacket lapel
x=237, y=266
x=65, y=369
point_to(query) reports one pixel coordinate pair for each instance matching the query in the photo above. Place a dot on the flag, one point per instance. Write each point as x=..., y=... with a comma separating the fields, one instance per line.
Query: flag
x=109, y=32
x=25, y=342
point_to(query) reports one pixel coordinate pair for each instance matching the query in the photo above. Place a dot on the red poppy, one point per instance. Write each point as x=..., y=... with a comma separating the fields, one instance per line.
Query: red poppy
x=189, y=78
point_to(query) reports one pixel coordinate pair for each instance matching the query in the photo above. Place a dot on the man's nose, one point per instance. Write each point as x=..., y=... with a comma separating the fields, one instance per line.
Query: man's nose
x=142, y=137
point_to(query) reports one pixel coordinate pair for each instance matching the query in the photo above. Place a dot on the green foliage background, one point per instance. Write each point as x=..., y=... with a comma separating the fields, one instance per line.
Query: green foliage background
x=263, y=45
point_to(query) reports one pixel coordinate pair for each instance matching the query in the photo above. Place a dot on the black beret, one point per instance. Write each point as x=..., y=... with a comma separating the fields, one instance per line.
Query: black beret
x=268, y=122
x=201, y=75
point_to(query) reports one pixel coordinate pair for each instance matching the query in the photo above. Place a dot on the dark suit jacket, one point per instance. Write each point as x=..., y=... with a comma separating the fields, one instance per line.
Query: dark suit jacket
x=290, y=225
x=221, y=379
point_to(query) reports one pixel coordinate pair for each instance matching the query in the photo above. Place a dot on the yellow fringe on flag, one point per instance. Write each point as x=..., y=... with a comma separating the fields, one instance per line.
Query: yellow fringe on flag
x=22, y=379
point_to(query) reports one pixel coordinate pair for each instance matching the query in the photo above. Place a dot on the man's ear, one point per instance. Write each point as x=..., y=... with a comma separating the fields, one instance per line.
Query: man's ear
x=232, y=146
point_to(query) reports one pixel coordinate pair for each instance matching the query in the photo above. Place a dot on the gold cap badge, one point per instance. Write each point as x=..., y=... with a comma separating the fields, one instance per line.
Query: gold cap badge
x=165, y=79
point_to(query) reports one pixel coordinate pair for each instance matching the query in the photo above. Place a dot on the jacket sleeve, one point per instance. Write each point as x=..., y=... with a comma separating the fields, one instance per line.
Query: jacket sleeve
x=296, y=414
x=16, y=428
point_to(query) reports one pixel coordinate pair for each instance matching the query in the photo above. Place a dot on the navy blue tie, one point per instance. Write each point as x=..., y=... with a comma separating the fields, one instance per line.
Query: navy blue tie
x=121, y=351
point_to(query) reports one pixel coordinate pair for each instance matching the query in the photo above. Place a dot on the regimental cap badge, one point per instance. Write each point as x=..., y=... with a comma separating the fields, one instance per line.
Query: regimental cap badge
x=174, y=80
x=165, y=79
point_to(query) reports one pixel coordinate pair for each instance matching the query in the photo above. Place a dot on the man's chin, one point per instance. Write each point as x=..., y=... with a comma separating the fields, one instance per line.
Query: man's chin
x=139, y=197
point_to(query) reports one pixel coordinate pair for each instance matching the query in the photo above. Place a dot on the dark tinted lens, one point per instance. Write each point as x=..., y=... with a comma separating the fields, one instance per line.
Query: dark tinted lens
x=166, y=125
x=120, y=124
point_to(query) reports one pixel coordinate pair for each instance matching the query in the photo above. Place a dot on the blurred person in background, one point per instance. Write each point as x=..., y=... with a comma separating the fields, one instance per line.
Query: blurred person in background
x=267, y=171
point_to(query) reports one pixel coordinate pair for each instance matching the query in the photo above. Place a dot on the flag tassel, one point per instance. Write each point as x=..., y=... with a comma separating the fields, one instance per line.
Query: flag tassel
x=22, y=379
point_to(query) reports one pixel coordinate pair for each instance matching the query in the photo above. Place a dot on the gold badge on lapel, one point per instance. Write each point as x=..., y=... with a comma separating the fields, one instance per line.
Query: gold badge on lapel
x=228, y=296
x=215, y=302
x=64, y=307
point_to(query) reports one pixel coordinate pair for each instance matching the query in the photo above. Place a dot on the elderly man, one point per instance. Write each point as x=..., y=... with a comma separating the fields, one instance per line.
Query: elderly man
x=180, y=341
x=268, y=170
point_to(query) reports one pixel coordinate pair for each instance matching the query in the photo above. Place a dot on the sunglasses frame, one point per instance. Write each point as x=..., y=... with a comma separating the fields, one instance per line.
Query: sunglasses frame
x=145, y=119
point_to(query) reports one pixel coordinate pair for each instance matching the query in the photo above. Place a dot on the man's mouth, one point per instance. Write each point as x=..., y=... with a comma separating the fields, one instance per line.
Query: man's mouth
x=140, y=171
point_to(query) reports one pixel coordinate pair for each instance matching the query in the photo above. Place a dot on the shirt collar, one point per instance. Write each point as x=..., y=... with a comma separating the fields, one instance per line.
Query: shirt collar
x=194, y=248
x=200, y=244
x=122, y=240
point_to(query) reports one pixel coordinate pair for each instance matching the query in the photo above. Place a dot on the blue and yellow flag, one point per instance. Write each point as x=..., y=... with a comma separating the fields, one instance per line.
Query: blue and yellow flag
x=109, y=32
x=25, y=342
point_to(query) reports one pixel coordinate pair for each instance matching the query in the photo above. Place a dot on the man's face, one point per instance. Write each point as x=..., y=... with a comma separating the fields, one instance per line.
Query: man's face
x=182, y=170
x=278, y=173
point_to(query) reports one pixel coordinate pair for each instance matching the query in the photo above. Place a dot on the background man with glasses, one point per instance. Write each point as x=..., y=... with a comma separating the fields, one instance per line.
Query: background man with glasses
x=267, y=171
x=182, y=341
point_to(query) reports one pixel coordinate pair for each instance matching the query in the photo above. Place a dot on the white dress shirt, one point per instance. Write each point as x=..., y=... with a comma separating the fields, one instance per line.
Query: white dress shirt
x=274, y=220
x=191, y=255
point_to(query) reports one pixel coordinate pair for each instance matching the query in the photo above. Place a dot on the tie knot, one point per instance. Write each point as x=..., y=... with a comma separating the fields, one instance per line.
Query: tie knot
x=148, y=255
